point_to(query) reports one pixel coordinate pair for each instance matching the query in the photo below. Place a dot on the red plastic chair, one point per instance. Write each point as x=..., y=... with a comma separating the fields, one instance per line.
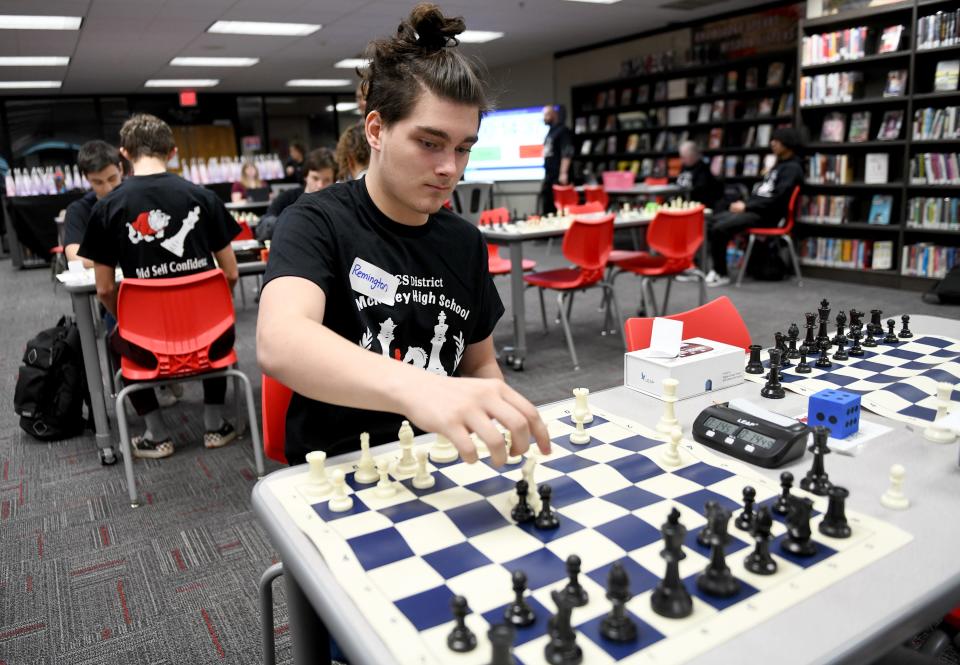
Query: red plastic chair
x=274, y=402
x=586, y=244
x=781, y=231
x=718, y=320
x=245, y=232
x=675, y=236
x=564, y=196
x=176, y=323
x=496, y=263
x=656, y=181
x=588, y=208
x=596, y=194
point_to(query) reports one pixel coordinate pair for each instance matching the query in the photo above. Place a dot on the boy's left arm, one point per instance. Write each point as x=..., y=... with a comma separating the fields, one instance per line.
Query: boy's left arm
x=480, y=361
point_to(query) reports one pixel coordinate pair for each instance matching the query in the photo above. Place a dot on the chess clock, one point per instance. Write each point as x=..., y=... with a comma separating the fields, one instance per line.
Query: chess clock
x=751, y=434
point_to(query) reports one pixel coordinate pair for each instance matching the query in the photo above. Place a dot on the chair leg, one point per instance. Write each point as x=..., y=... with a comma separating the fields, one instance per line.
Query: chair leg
x=569, y=307
x=650, y=296
x=266, y=612
x=701, y=278
x=612, y=297
x=666, y=295
x=793, y=257
x=243, y=293
x=566, y=329
x=746, y=259
x=543, y=312
x=251, y=420
x=238, y=414
x=125, y=447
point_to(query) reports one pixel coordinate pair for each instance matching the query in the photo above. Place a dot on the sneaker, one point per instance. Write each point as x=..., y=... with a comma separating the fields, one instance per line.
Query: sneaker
x=713, y=279
x=147, y=448
x=221, y=437
x=166, y=396
x=692, y=275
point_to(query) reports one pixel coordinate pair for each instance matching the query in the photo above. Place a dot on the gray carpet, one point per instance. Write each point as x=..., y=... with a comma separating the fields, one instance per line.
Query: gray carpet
x=86, y=580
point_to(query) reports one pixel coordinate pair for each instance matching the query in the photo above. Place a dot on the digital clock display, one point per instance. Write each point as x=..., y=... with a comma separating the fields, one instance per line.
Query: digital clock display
x=757, y=439
x=720, y=425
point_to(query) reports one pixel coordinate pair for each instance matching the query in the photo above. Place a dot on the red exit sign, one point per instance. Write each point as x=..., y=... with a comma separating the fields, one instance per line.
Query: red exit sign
x=188, y=98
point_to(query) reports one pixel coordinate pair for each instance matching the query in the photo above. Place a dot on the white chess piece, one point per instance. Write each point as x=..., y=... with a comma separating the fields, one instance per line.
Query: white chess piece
x=366, y=472
x=669, y=418
x=385, y=487
x=408, y=463
x=671, y=454
x=508, y=441
x=341, y=501
x=317, y=482
x=938, y=433
x=443, y=451
x=533, y=497
x=580, y=437
x=581, y=409
x=423, y=479
x=894, y=498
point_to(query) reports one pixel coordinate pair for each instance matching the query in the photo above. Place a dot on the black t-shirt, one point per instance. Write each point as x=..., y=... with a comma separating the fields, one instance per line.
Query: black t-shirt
x=76, y=218
x=445, y=299
x=158, y=226
x=703, y=185
x=557, y=145
x=284, y=199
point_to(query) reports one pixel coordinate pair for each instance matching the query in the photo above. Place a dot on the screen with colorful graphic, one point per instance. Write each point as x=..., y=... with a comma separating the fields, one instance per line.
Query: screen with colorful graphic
x=510, y=146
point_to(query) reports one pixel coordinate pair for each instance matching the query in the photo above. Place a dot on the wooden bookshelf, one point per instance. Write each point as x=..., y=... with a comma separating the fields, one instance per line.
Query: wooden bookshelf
x=918, y=94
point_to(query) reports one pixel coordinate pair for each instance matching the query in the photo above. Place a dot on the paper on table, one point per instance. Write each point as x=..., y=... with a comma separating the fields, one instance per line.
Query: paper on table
x=665, y=339
x=853, y=444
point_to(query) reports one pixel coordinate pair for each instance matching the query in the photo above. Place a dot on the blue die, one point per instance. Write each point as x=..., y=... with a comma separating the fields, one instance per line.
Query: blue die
x=835, y=409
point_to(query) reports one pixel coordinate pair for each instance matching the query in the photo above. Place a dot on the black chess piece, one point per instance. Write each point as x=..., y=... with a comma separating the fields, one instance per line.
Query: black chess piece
x=841, y=353
x=823, y=361
x=870, y=342
x=824, y=320
x=617, y=625
x=519, y=612
x=562, y=649
x=803, y=367
x=772, y=388
x=754, y=365
x=798, y=541
x=716, y=579
x=841, y=323
x=876, y=325
x=891, y=336
x=547, y=519
x=574, y=589
x=461, y=639
x=810, y=340
x=793, y=336
x=834, y=523
x=781, y=346
x=744, y=520
x=817, y=480
x=501, y=638
x=759, y=560
x=856, y=319
x=856, y=350
x=905, y=332
x=670, y=598
x=703, y=538
x=782, y=504
x=522, y=512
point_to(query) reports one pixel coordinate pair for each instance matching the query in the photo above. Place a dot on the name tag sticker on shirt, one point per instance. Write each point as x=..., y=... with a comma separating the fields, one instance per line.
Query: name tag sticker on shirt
x=373, y=282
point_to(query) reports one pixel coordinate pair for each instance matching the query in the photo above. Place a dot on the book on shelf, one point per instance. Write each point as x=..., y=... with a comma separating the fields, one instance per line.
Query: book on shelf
x=716, y=138
x=717, y=83
x=660, y=143
x=825, y=208
x=935, y=124
x=890, y=39
x=585, y=147
x=730, y=165
x=833, y=128
x=703, y=115
x=847, y=253
x=775, y=72
x=824, y=168
x=876, y=169
x=882, y=255
x=785, y=107
x=579, y=125
x=763, y=135
x=660, y=91
x=678, y=116
x=732, y=77
x=890, y=126
x=700, y=86
x=716, y=166
x=751, y=165
x=677, y=88
x=847, y=44
x=945, y=78
x=928, y=260
x=940, y=29
x=859, y=127
x=934, y=213
x=750, y=137
x=601, y=101
x=633, y=143
x=935, y=169
x=611, y=123
x=896, y=85
x=881, y=207
x=765, y=107
x=611, y=145
x=751, y=78
x=643, y=93
x=594, y=123
x=832, y=88
x=626, y=97
x=717, y=112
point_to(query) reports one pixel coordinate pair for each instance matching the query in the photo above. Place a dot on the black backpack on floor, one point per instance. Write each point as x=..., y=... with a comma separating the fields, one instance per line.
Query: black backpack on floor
x=51, y=385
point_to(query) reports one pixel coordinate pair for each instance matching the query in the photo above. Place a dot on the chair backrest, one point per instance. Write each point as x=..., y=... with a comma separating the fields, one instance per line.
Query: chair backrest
x=177, y=320
x=274, y=402
x=676, y=234
x=470, y=199
x=494, y=216
x=587, y=243
x=587, y=208
x=564, y=196
x=656, y=181
x=596, y=194
x=246, y=233
x=718, y=320
x=791, y=211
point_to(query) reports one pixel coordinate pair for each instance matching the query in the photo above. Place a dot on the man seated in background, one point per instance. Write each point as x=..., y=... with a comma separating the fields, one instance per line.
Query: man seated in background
x=766, y=207
x=353, y=153
x=99, y=162
x=703, y=187
x=160, y=225
x=320, y=171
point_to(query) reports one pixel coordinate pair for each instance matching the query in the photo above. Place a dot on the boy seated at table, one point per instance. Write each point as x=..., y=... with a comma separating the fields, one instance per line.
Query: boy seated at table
x=99, y=163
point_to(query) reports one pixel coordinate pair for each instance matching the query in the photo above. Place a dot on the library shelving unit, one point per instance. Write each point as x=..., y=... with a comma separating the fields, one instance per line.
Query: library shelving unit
x=637, y=123
x=874, y=73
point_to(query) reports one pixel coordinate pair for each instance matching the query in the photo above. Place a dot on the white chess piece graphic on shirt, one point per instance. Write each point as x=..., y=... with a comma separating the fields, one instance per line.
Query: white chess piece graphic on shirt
x=385, y=338
x=174, y=244
x=439, y=338
x=416, y=356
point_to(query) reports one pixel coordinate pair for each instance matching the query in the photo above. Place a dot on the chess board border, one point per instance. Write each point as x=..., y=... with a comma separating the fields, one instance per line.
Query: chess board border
x=693, y=637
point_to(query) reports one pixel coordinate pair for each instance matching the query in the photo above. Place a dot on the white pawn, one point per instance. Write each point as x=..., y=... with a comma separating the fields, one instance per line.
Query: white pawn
x=938, y=433
x=894, y=498
x=407, y=463
x=671, y=454
x=669, y=418
x=443, y=451
x=318, y=483
x=581, y=409
x=508, y=441
x=424, y=479
x=341, y=501
x=366, y=472
x=580, y=437
x=385, y=487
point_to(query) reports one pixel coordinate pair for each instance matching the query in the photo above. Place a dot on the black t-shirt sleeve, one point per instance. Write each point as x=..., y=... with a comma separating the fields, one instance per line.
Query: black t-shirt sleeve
x=221, y=227
x=303, y=246
x=490, y=306
x=75, y=223
x=100, y=241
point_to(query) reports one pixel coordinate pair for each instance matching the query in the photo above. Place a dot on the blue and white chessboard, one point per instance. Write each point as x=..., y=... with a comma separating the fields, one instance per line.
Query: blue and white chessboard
x=401, y=559
x=897, y=381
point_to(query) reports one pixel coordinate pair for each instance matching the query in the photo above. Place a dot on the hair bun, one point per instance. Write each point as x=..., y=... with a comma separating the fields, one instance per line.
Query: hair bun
x=433, y=30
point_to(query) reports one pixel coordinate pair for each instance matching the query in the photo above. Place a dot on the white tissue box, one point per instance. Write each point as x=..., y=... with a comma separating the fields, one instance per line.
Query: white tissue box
x=702, y=366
